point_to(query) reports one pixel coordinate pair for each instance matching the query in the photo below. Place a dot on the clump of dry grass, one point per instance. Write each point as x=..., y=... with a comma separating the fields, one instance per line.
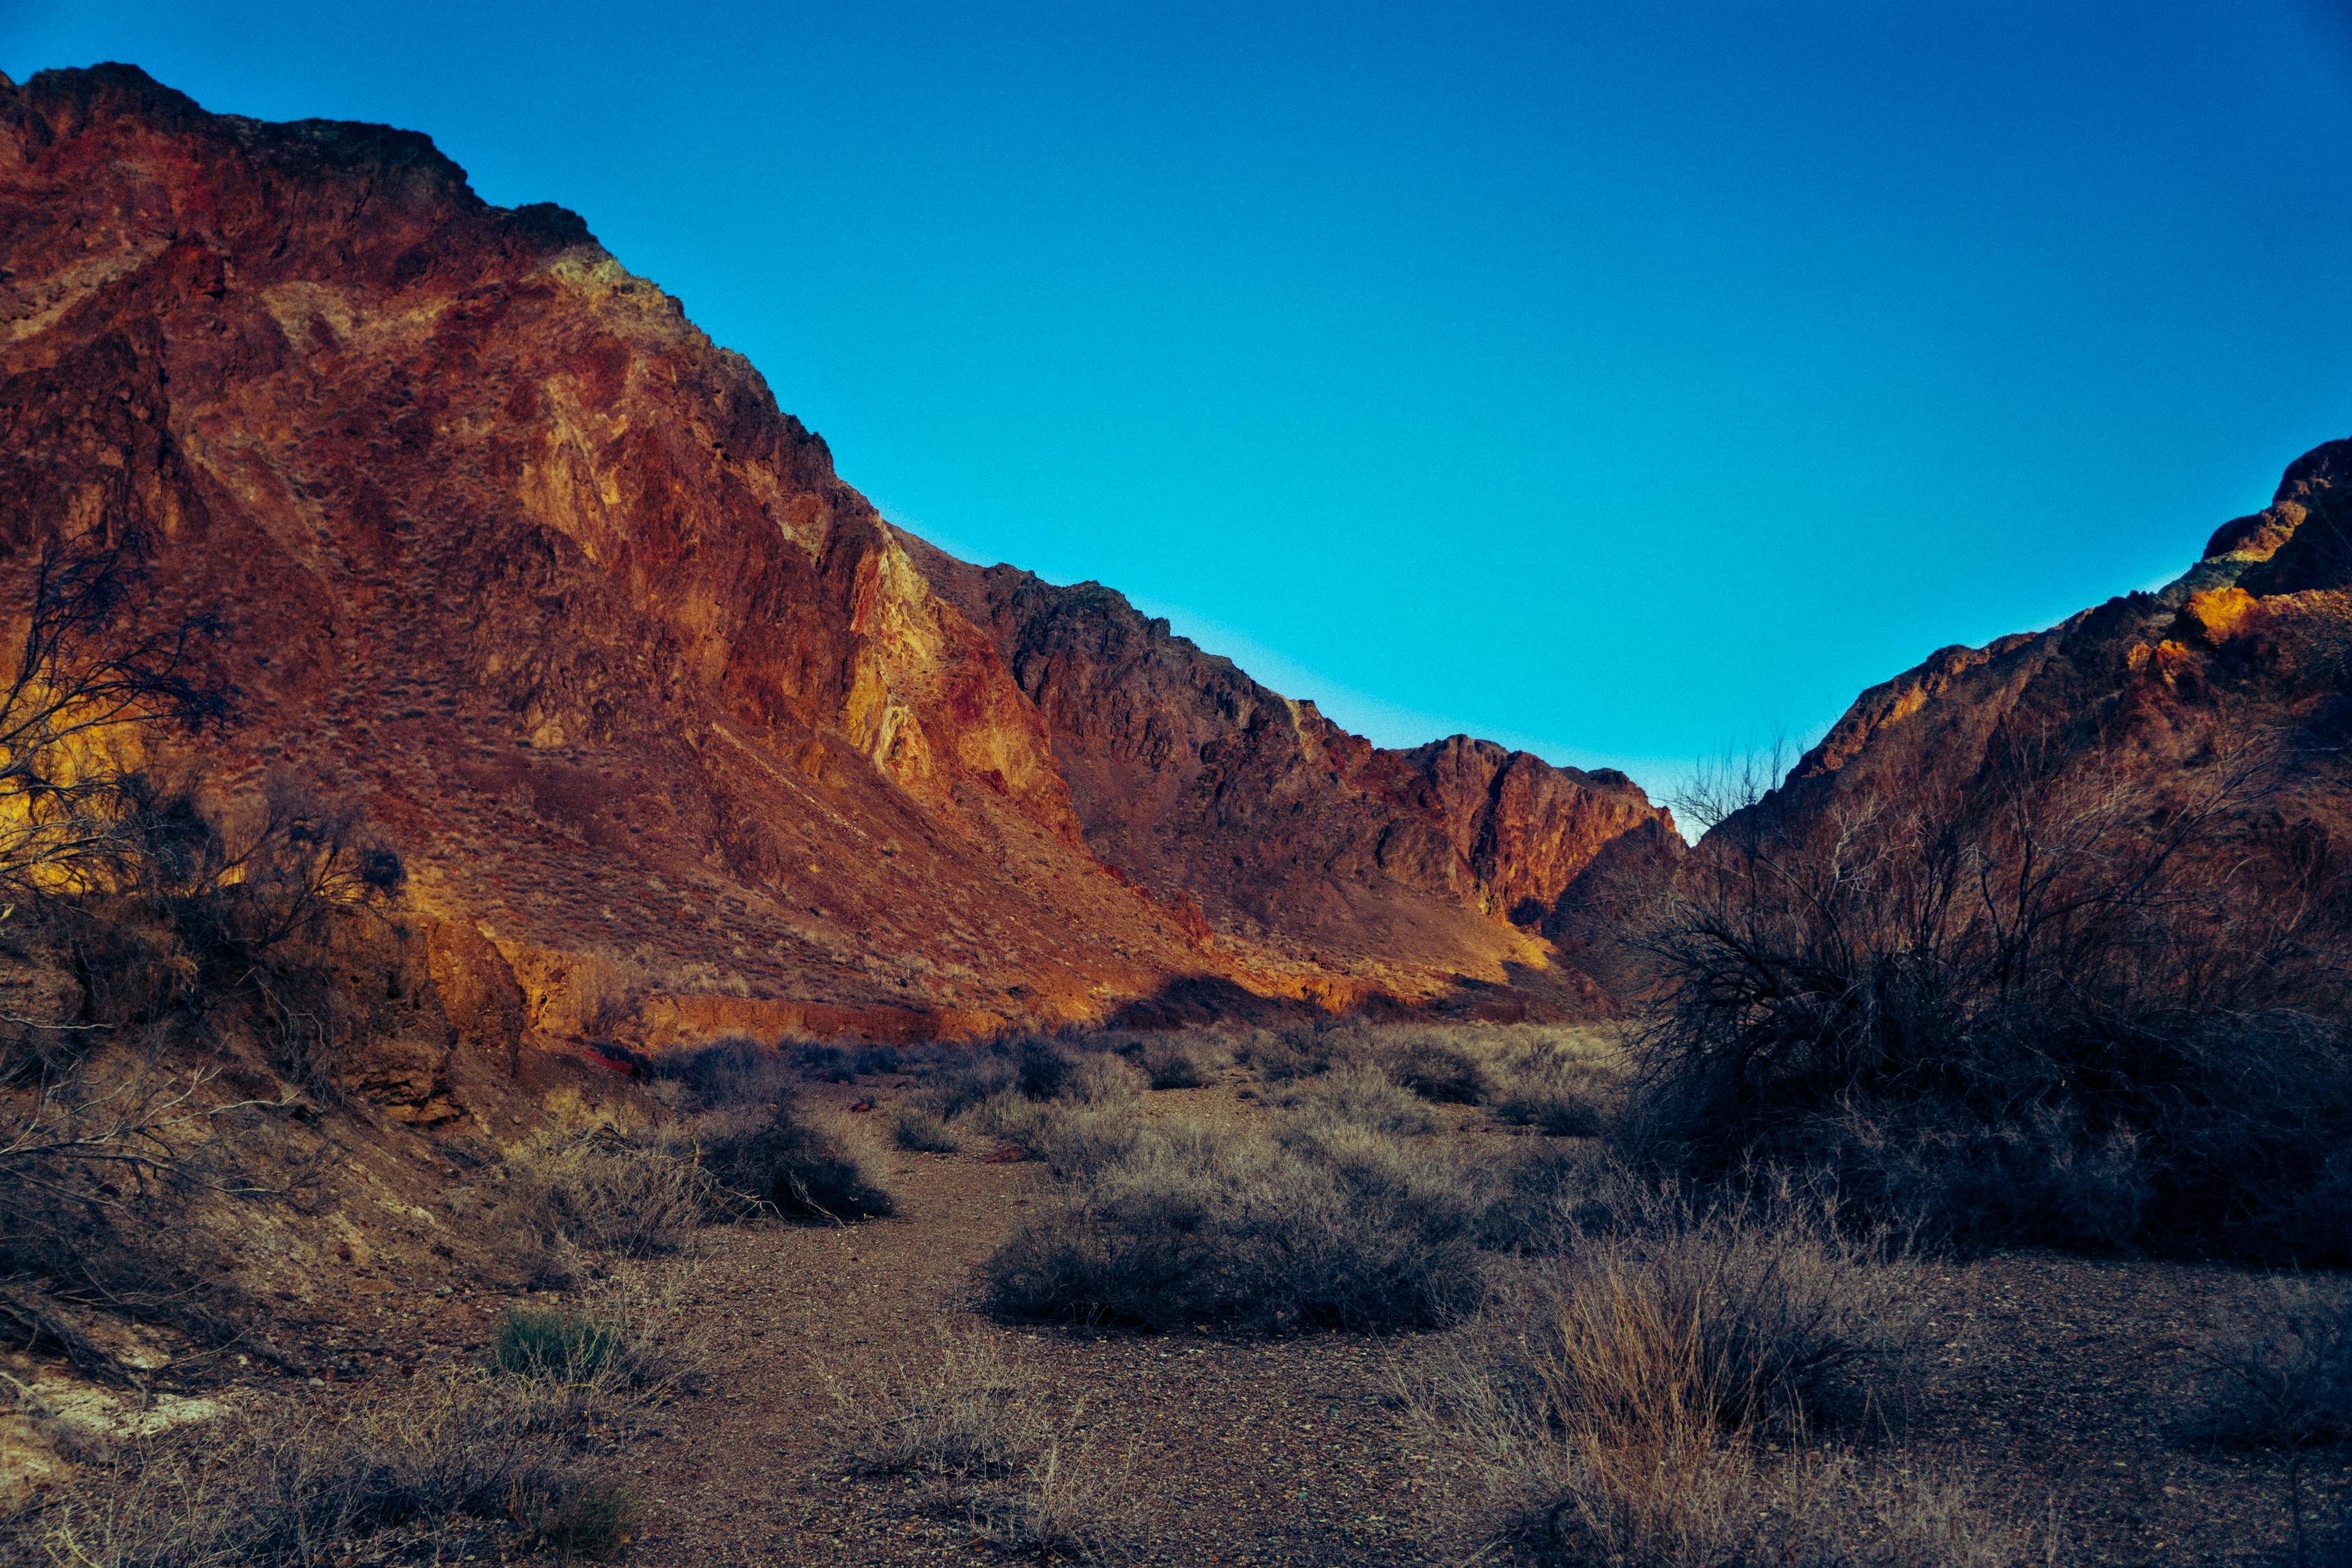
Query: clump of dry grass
x=923, y=1132
x=623, y=1344
x=1103, y=1078
x=1560, y=1082
x=1176, y=1060
x=1658, y=1400
x=1286, y=1057
x=1068, y=1107
x=1079, y=1140
x=1759, y=1313
x=632, y=1192
x=1438, y=1069
x=981, y=1438
x=1360, y=1095
x=784, y=1163
x=1342, y=1226
x=1694, y=1502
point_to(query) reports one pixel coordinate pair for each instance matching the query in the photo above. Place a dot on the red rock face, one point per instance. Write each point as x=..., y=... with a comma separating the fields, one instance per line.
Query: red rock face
x=511, y=553
x=2256, y=640
x=1193, y=779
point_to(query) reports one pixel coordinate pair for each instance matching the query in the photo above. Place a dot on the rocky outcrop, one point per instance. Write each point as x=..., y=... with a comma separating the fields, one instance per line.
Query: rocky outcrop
x=654, y=704
x=2253, y=642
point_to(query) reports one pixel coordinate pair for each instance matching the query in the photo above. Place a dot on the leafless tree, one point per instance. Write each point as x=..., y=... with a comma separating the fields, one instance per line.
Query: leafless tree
x=75, y=1161
x=2057, y=960
x=100, y=658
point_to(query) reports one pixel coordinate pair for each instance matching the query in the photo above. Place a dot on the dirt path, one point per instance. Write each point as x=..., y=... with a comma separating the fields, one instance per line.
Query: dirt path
x=1250, y=1452
x=2065, y=1378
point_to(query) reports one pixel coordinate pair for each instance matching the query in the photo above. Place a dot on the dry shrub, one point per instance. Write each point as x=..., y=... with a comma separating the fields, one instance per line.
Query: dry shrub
x=513, y=1448
x=785, y=1165
x=631, y=1192
x=1438, y=1069
x=923, y=1131
x=1342, y=1227
x=1102, y=1079
x=986, y=1083
x=1176, y=1061
x=983, y=1439
x=1077, y=1140
x=1694, y=1502
x=1655, y=1401
x=1560, y=1082
x=1286, y=1057
x=1360, y=1095
x=2051, y=1002
x=821, y=1063
x=730, y=1072
x=1065, y=1105
x=1537, y=1198
x=439, y=1466
x=1760, y=1313
x=2283, y=1377
x=118, y=1183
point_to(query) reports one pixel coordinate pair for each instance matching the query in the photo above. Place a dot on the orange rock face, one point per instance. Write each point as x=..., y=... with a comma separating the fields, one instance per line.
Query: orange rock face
x=657, y=707
x=2217, y=615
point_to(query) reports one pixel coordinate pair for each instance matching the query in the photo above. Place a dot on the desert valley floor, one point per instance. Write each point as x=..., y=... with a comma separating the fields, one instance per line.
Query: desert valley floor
x=2054, y=1385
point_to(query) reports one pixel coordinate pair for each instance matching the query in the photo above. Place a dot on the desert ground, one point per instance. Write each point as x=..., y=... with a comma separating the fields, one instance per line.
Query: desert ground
x=842, y=1390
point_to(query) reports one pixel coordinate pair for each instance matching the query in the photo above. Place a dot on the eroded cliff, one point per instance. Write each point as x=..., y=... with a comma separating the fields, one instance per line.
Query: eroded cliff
x=651, y=699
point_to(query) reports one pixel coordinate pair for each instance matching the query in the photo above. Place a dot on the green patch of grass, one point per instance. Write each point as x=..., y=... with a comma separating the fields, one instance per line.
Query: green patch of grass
x=568, y=1347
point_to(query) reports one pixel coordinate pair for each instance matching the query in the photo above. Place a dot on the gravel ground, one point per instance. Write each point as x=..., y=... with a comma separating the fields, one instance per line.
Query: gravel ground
x=2053, y=1382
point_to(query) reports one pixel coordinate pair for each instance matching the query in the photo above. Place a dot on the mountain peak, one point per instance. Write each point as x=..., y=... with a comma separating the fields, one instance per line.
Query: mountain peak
x=518, y=560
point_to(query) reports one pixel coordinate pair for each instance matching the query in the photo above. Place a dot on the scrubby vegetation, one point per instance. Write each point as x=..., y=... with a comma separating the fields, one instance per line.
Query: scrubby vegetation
x=1174, y=1060
x=520, y=1448
x=981, y=1438
x=784, y=1163
x=1666, y=1322
x=2281, y=1378
x=1669, y=1392
x=1353, y=1228
x=630, y=1190
x=1340, y=1210
x=2057, y=1006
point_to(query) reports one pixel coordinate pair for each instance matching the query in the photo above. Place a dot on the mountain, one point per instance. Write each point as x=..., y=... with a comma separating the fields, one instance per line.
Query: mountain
x=673, y=731
x=2250, y=645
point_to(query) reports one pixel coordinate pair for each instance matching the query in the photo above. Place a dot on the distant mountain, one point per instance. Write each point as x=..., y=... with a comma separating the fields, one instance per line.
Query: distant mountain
x=650, y=698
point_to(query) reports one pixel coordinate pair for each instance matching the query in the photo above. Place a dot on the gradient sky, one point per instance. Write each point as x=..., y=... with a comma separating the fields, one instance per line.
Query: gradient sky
x=1626, y=382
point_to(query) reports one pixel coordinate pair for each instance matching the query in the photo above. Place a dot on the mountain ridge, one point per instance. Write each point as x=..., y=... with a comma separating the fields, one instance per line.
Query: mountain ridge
x=2248, y=643
x=657, y=705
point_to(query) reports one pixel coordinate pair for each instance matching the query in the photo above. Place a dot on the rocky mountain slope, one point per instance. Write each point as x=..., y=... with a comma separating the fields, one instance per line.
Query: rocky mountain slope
x=674, y=731
x=1192, y=778
x=2252, y=646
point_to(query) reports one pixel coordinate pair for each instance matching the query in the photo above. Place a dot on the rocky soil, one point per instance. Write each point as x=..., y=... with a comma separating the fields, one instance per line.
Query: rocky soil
x=2055, y=1384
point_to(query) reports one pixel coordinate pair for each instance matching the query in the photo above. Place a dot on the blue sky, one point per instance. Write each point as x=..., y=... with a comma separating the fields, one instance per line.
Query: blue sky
x=1627, y=382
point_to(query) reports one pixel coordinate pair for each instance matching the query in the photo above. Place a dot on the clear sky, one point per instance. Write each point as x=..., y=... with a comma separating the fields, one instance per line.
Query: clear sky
x=1624, y=381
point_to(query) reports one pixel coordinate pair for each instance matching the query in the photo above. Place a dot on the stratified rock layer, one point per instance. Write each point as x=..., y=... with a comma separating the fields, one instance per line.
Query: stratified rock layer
x=651, y=699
